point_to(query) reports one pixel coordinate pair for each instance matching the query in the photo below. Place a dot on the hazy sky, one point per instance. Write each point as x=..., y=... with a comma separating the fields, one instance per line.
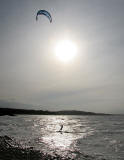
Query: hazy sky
x=31, y=73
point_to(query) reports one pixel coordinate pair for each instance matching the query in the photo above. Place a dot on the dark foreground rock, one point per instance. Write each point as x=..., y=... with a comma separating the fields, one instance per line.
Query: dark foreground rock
x=12, y=150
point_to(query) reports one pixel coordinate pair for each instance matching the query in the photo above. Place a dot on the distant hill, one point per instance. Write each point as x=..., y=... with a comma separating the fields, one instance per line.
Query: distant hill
x=13, y=111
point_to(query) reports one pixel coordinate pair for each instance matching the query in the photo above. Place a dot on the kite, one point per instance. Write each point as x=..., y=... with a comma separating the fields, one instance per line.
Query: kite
x=45, y=13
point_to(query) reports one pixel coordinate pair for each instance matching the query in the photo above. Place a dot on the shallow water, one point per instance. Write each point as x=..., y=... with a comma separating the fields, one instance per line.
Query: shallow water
x=98, y=136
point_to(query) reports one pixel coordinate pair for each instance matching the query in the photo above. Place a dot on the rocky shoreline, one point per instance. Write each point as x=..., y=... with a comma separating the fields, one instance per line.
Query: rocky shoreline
x=12, y=150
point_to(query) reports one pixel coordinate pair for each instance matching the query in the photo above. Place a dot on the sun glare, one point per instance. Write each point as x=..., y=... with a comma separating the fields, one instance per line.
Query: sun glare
x=66, y=50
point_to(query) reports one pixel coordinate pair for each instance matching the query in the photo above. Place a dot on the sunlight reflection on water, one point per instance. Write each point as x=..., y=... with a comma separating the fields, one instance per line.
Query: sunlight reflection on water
x=100, y=136
x=65, y=140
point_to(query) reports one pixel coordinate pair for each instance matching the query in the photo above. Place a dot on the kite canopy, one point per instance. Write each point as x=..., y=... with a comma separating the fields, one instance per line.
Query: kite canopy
x=45, y=13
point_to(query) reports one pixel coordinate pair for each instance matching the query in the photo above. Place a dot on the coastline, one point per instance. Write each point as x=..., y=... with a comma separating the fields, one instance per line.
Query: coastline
x=13, y=112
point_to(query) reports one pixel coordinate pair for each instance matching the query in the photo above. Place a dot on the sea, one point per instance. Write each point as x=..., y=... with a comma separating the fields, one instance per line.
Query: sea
x=100, y=137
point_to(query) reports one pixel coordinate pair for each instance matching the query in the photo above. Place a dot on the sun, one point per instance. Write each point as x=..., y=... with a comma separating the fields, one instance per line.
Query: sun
x=66, y=50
